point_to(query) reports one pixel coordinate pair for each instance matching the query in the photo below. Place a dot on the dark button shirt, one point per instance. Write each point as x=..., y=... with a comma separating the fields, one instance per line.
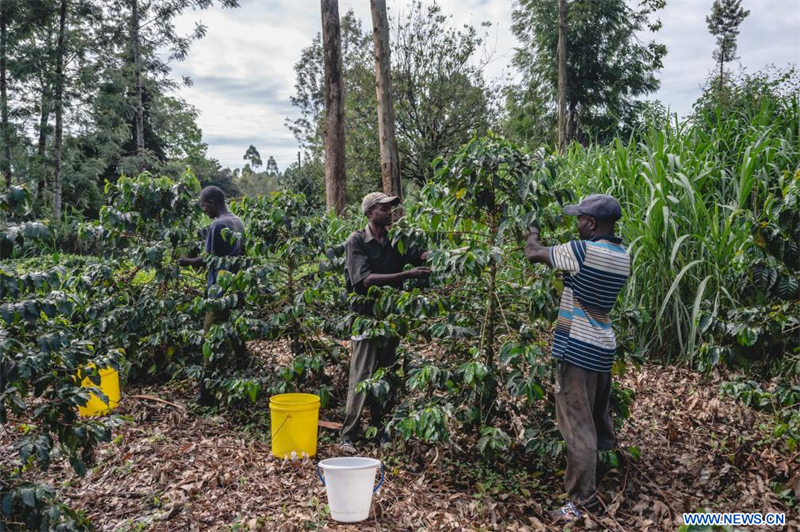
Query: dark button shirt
x=217, y=245
x=365, y=255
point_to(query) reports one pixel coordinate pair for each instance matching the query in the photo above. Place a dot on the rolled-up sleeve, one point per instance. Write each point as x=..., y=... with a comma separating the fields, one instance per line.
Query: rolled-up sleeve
x=356, y=261
x=568, y=257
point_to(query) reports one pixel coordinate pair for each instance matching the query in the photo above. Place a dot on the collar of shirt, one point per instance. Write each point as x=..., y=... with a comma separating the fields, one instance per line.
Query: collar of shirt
x=369, y=237
x=612, y=239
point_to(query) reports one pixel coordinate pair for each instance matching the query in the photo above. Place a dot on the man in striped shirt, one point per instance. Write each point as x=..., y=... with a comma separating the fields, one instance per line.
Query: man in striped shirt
x=595, y=270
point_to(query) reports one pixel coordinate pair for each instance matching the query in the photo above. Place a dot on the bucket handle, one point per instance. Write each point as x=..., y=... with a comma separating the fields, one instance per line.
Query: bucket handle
x=287, y=418
x=380, y=482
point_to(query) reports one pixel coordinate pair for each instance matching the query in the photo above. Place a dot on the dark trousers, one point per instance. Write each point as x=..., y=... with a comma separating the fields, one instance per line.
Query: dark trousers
x=239, y=349
x=367, y=356
x=582, y=402
x=220, y=316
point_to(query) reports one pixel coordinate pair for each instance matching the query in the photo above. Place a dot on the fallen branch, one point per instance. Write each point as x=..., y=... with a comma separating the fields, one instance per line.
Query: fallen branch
x=158, y=399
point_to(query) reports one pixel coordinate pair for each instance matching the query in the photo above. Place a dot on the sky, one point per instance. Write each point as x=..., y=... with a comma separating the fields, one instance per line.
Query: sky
x=243, y=69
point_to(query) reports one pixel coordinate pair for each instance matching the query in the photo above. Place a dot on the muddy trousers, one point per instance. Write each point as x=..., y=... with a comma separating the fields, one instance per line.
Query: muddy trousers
x=367, y=356
x=582, y=401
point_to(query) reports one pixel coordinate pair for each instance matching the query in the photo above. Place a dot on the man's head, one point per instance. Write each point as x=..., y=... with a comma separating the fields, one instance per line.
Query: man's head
x=377, y=207
x=596, y=214
x=212, y=201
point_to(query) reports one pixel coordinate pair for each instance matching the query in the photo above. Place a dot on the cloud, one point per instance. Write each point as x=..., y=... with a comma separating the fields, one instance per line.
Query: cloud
x=246, y=140
x=270, y=92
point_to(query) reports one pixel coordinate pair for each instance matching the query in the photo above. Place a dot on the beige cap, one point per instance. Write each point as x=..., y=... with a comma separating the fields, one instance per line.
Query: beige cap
x=374, y=198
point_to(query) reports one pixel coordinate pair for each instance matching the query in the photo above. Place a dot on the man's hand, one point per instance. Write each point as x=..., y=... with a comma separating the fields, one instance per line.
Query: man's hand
x=533, y=232
x=534, y=250
x=418, y=272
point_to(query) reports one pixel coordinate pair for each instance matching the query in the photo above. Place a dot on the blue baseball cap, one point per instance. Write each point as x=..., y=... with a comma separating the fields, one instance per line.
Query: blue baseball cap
x=598, y=206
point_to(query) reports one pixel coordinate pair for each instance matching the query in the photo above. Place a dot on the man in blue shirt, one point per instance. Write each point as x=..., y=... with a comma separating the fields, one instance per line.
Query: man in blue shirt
x=595, y=270
x=212, y=201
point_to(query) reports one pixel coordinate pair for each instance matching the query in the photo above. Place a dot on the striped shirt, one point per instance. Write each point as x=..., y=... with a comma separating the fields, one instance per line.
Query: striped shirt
x=596, y=271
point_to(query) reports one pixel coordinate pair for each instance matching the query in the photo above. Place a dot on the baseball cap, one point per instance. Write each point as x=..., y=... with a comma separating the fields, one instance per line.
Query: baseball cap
x=598, y=206
x=374, y=198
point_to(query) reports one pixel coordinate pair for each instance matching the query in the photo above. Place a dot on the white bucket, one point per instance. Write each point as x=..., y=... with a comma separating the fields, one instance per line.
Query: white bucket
x=349, y=482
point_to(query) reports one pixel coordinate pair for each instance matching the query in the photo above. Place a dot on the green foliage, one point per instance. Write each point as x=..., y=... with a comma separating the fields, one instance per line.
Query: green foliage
x=134, y=311
x=762, y=333
x=307, y=179
x=440, y=95
x=289, y=285
x=607, y=66
x=692, y=192
x=15, y=206
x=46, y=347
x=484, y=369
x=483, y=304
x=253, y=157
x=34, y=506
x=253, y=183
x=361, y=118
x=148, y=222
x=99, y=98
x=780, y=400
x=777, y=233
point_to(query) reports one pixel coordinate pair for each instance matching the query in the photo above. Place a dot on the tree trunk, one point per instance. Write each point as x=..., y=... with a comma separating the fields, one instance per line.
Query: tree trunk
x=490, y=313
x=42, y=144
x=489, y=391
x=5, y=165
x=334, y=108
x=721, y=71
x=572, y=121
x=562, y=76
x=137, y=68
x=59, y=105
x=294, y=328
x=390, y=167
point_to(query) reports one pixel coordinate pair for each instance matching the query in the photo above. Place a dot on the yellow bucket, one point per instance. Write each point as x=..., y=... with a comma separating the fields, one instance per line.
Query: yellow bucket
x=109, y=385
x=295, y=417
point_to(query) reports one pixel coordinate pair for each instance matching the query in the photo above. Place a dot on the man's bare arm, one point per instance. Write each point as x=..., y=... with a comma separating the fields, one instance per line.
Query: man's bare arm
x=197, y=262
x=383, y=279
x=534, y=249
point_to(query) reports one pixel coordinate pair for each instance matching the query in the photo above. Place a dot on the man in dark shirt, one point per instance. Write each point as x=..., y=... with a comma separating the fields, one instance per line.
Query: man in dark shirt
x=212, y=201
x=372, y=260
